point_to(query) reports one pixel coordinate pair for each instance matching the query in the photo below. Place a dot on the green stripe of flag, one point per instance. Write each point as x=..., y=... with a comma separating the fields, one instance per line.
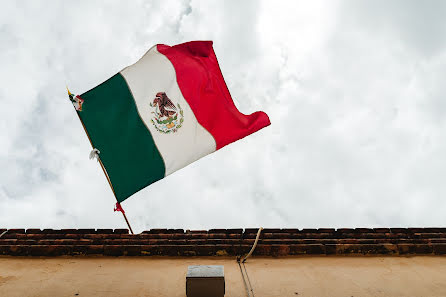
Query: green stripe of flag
x=126, y=146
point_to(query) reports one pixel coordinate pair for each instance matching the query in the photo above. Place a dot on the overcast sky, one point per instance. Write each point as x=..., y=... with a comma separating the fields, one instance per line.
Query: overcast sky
x=355, y=91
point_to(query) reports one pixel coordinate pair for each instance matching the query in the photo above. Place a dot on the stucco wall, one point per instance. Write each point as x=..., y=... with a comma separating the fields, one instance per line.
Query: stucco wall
x=290, y=276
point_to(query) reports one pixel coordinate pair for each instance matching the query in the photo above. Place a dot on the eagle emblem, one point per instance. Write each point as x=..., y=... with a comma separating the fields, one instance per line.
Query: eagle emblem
x=167, y=118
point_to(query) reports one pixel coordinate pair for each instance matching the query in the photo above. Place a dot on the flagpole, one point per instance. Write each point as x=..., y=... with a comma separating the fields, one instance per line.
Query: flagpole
x=118, y=205
x=125, y=218
x=108, y=179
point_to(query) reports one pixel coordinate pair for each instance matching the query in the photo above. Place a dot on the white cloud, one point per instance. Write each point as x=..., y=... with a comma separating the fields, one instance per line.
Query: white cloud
x=354, y=92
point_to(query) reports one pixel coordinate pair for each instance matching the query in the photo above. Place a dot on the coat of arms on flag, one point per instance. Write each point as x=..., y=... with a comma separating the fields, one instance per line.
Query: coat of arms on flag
x=167, y=117
x=174, y=96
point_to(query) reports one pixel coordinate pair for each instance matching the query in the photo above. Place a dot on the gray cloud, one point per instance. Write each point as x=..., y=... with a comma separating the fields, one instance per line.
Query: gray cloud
x=354, y=92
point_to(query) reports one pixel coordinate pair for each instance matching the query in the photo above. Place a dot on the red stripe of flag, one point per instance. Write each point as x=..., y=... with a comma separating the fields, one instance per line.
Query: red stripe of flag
x=203, y=86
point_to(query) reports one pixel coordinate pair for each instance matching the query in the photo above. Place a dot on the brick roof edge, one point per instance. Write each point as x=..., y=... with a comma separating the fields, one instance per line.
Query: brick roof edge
x=223, y=242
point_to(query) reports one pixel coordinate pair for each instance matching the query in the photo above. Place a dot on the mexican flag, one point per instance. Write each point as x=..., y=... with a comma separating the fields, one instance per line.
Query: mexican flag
x=160, y=114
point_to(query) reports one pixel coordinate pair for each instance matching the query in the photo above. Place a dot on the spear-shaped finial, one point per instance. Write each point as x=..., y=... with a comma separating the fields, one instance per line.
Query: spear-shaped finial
x=76, y=100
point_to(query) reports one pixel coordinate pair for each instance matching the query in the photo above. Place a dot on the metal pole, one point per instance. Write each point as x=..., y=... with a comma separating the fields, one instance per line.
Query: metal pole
x=111, y=186
x=128, y=224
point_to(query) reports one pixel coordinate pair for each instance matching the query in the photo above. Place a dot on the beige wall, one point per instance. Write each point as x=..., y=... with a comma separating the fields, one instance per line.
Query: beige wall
x=296, y=276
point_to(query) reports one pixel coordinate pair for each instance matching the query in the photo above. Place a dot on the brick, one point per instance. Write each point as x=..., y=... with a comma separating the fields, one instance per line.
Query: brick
x=121, y=231
x=33, y=231
x=432, y=235
x=98, y=237
x=150, y=250
x=410, y=248
x=439, y=248
x=251, y=230
x=197, y=236
x=86, y=231
x=13, y=236
x=104, y=231
x=226, y=250
x=14, y=250
x=263, y=250
x=318, y=235
x=399, y=230
x=280, y=250
x=382, y=230
x=49, y=250
x=438, y=230
x=276, y=236
x=36, y=236
x=197, y=241
x=345, y=230
x=81, y=250
x=156, y=231
x=132, y=250
x=378, y=249
x=157, y=241
x=4, y=249
x=223, y=241
x=95, y=249
x=216, y=235
x=38, y=250
x=330, y=249
x=235, y=231
x=118, y=241
x=290, y=231
x=16, y=231
x=170, y=250
x=68, y=231
x=205, y=250
x=308, y=249
x=243, y=249
x=8, y=241
x=68, y=236
x=113, y=250
x=223, y=250
x=437, y=240
x=271, y=230
x=225, y=231
x=364, y=230
x=416, y=230
x=235, y=236
x=252, y=235
x=52, y=231
x=196, y=231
